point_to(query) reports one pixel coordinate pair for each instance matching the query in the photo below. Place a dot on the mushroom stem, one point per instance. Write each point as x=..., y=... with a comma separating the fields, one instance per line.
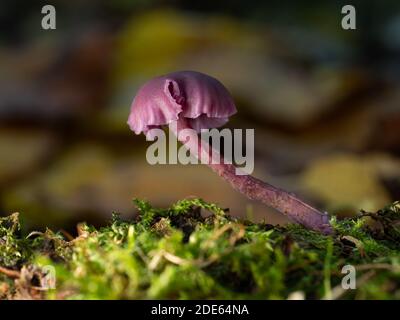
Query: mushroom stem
x=251, y=187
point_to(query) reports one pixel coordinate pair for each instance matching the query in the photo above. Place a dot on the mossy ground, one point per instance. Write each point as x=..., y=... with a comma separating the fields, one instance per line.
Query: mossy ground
x=195, y=250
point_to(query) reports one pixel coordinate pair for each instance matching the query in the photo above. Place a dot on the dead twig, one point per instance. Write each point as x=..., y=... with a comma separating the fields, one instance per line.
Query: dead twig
x=10, y=273
x=385, y=266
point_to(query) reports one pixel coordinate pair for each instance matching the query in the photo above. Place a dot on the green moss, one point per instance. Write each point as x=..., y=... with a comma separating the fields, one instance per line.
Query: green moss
x=194, y=250
x=13, y=249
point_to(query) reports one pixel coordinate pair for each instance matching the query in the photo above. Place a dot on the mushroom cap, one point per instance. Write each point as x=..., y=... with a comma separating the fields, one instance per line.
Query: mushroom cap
x=199, y=98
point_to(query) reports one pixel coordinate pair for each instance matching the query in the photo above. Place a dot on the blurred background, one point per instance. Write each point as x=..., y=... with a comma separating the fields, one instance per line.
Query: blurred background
x=324, y=103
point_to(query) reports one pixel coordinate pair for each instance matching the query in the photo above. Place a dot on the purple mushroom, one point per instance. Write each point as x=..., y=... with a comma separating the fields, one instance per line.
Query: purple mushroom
x=192, y=100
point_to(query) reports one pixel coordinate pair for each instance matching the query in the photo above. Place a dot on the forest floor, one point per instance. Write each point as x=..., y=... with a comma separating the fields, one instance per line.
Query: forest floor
x=195, y=250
